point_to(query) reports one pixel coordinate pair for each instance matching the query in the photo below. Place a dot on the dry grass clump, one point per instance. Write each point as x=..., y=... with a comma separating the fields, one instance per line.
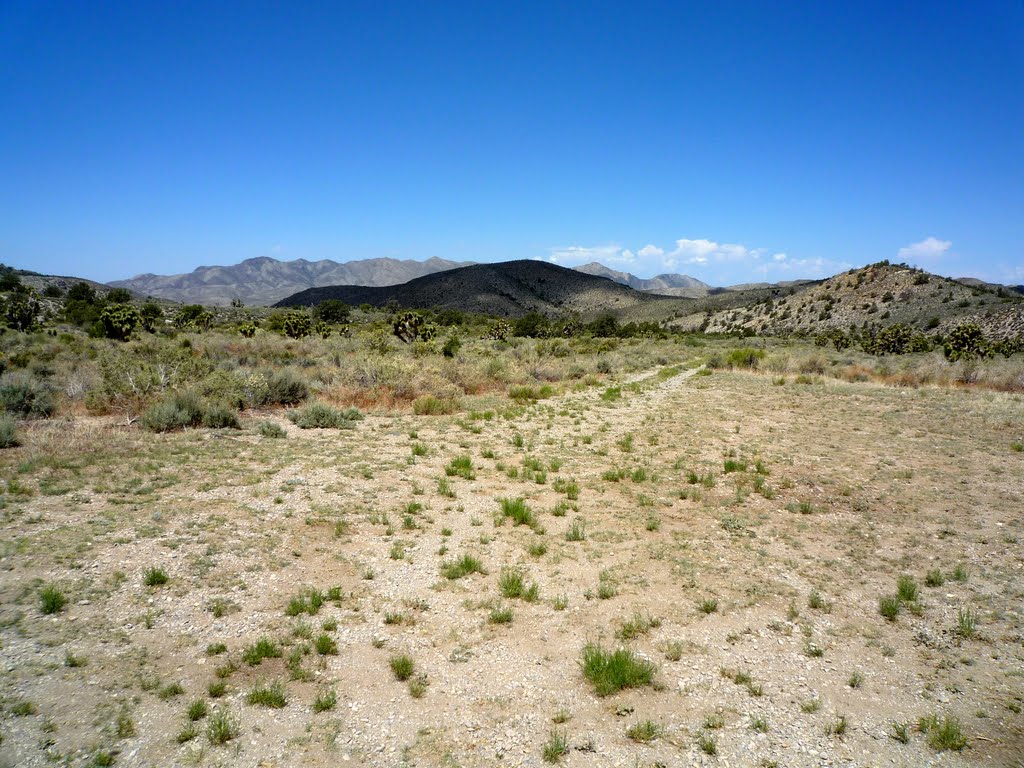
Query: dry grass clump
x=910, y=370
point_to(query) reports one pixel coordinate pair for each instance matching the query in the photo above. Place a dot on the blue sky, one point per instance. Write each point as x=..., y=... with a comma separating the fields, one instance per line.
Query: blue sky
x=730, y=141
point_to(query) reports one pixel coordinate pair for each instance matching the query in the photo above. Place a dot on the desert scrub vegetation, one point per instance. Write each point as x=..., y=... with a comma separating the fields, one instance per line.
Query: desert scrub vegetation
x=500, y=615
x=966, y=623
x=8, y=432
x=199, y=371
x=179, y=410
x=309, y=601
x=235, y=540
x=323, y=416
x=577, y=531
x=22, y=396
x=889, y=607
x=638, y=625
x=708, y=605
x=325, y=701
x=429, y=405
x=271, y=429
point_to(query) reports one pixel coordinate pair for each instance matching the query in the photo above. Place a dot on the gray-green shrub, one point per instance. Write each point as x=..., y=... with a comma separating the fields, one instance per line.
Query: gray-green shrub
x=8, y=432
x=285, y=387
x=23, y=396
x=323, y=416
x=179, y=410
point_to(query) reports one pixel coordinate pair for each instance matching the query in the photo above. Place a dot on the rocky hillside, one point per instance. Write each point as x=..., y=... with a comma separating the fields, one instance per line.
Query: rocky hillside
x=880, y=294
x=508, y=289
x=264, y=281
x=59, y=284
x=663, y=285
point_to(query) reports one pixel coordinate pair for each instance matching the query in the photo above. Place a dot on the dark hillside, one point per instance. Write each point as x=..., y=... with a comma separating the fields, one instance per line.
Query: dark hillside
x=508, y=289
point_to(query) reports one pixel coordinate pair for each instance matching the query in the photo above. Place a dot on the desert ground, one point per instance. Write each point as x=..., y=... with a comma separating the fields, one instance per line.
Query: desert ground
x=231, y=598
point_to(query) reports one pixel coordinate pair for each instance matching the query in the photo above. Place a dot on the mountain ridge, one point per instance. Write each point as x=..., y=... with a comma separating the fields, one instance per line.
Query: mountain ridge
x=509, y=289
x=265, y=280
x=667, y=284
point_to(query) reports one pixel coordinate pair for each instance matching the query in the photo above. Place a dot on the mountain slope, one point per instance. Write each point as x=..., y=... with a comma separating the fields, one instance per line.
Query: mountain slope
x=40, y=282
x=663, y=285
x=878, y=294
x=509, y=289
x=265, y=280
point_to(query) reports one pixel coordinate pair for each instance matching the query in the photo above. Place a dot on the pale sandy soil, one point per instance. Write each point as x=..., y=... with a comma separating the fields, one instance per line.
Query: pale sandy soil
x=893, y=482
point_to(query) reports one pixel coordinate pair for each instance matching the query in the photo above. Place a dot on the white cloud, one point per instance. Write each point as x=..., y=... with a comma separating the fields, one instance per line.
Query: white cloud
x=1012, y=275
x=705, y=251
x=694, y=251
x=709, y=260
x=574, y=255
x=929, y=248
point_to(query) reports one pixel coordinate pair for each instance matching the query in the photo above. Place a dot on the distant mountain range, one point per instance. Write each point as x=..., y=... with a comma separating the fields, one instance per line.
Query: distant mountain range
x=880, y=294
x=874, y=295
x=883, y=294
x=664, y=285
x=264, y=281
x=509, y=288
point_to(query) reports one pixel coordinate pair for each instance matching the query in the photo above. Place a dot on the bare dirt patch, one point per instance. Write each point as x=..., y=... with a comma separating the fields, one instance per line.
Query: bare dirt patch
x=736, y=533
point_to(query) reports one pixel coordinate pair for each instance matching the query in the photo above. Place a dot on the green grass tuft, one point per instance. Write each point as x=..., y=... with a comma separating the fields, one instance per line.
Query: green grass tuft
x=264, y=648
x=889, y=607
x=402, y=666
x=221, y=727
x=460, y=466
x=644, y=732
x=518, y=512
x=155, y=577
x=611, y=671
x=556, y=747
x=325, y=701
x=502, y=615
x=464, y=566
x=51, y=599
x=906, y=589
x=271, y=696
x=196, y=710
x=945, y=734
x=325, y=645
